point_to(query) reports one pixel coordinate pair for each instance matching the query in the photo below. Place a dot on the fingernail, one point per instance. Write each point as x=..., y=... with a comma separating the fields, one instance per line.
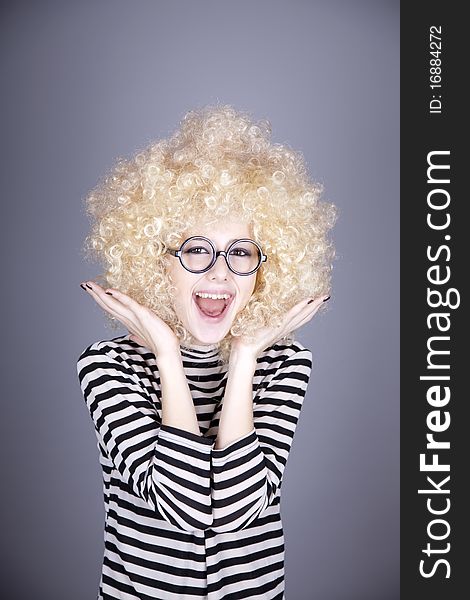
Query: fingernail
x=310, y=301
x=109, y=293
x=83, y=287
x=88, y=286
x=327, y=298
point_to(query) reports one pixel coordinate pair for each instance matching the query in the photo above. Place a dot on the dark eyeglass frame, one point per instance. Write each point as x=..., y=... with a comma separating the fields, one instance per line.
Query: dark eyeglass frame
x=216, y=253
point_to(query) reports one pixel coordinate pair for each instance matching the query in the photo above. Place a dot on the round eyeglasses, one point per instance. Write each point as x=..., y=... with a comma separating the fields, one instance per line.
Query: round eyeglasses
x=198, y=254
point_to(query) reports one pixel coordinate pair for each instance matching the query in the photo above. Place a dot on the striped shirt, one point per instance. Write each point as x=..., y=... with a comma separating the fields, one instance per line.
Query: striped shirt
x=184, y=520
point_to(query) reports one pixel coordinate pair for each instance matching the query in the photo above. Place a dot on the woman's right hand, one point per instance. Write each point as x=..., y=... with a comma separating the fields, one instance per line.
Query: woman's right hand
x=145, y=327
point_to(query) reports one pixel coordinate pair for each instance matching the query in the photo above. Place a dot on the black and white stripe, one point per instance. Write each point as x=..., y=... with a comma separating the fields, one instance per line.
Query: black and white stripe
x=182, y=519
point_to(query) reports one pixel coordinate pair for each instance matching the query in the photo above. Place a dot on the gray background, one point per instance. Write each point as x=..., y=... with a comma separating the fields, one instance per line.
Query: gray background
x=84, y=82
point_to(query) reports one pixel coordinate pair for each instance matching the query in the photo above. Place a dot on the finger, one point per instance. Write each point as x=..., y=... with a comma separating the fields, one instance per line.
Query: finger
x=129, y=307
x=304, y=306
x=313, y=305
x=308, y=311
x=297, y=308
x=310, y=315
x=305, y=320
x=300, y=310
x=122, y=297
x=101, y=303
x=106, y=302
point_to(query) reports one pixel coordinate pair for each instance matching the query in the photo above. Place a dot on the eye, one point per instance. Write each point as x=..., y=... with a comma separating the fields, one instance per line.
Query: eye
x=240, y=252
x=196, y=250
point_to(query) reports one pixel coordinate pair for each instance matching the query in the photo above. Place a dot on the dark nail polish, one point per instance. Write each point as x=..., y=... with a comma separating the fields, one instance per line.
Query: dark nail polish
x=326, y=298
x=83, y=287
x=310, y=301
x=109, y=293
x=88, y=286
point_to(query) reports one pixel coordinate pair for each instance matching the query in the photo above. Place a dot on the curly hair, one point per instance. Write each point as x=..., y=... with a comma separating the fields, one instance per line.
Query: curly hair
x=219, y=163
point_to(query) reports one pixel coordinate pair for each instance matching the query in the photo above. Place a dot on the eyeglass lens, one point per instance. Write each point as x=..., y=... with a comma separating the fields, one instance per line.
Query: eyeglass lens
x=197, y=255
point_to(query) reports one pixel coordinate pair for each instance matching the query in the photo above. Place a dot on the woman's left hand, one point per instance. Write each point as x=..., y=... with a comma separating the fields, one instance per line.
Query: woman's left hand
x=297, y=316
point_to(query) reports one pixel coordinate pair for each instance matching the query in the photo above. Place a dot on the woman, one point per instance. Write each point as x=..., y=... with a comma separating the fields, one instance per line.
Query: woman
x=216, y=249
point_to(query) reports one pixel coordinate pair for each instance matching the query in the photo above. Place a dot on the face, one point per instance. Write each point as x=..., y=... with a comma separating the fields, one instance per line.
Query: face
x=200, y=315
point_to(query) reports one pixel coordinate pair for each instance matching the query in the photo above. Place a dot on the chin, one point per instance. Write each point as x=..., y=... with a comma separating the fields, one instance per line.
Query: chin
x=208, y=337
x=210, y=330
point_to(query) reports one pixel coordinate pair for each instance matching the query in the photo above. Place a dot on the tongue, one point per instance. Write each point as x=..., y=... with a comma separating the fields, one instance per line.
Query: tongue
x=210, y=307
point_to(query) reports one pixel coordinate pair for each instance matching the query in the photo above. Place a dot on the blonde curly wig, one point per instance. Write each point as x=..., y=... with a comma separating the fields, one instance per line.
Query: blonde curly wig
x=218, y=164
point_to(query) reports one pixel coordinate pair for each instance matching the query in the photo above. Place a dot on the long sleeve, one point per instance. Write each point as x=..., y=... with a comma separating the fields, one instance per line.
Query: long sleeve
x=247, y=474
x=167, y=467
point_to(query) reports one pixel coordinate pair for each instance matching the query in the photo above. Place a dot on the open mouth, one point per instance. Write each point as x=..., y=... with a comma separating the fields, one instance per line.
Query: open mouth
x=212, y=307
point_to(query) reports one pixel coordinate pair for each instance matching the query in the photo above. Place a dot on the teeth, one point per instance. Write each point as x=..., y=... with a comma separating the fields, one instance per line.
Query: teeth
x=213, y=296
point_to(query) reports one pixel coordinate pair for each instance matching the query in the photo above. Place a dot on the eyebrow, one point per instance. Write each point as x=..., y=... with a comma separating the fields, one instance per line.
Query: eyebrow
x=229, y=242
x=234, y=240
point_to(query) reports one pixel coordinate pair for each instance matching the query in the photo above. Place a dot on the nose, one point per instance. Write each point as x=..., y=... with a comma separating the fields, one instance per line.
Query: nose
x=219, y=269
